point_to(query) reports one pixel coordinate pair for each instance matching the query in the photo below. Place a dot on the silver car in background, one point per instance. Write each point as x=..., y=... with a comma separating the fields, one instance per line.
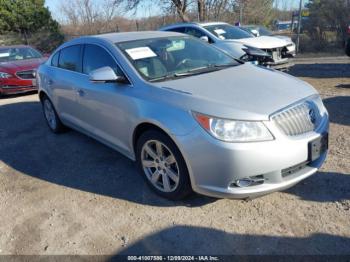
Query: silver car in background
x=266, y=50
x=193, y=117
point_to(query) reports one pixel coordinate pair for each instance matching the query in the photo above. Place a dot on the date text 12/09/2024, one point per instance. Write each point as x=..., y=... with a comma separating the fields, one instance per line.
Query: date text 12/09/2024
x=173, y=258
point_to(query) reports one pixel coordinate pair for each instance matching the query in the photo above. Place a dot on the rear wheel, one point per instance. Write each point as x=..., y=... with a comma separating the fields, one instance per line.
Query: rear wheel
x=51, y=116
x=161, y=163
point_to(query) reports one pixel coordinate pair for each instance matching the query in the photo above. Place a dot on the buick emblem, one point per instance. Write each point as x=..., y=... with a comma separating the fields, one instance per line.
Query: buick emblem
x=312, y=115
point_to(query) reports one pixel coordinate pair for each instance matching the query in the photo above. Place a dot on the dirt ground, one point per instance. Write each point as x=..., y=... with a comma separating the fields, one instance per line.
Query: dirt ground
x=68, y=194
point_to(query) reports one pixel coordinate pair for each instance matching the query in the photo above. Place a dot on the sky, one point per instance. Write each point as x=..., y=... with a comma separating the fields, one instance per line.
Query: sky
x=148, y=9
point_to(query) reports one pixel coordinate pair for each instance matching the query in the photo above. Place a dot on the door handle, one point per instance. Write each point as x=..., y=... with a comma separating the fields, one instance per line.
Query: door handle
x=80, y=92
x=50, y=82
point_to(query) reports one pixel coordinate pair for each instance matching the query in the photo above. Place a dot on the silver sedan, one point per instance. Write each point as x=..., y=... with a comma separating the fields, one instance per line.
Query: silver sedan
x=193, y=117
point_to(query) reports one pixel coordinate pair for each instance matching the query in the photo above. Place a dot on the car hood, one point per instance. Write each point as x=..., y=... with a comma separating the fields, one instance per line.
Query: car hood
x=244, y=92
x=21, y=65
x=263, y=42
x=285, y=38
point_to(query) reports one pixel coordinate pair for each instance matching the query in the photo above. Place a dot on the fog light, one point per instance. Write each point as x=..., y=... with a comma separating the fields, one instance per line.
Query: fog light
x=244, y=182
x=249, y=181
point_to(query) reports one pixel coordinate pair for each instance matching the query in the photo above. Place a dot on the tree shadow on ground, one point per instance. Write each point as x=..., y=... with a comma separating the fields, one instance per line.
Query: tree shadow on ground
x=191, y=240
x=321, y=70
x=324, y=187
x=339, y=109
x=72, y=159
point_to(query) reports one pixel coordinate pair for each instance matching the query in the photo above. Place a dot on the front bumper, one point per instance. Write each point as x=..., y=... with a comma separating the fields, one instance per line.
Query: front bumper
x=214, y=166
x=283, y=64
x=17, y=86
x=9, y=90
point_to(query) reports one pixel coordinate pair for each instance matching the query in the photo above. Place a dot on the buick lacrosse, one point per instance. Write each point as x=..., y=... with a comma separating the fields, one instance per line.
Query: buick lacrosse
x=190, y=115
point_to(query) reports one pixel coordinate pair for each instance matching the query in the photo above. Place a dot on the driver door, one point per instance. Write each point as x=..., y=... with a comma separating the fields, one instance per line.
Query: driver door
x=104, y=106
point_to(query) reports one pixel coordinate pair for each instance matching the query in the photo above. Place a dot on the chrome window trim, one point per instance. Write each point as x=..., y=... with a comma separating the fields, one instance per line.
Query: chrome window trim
x=131, y=84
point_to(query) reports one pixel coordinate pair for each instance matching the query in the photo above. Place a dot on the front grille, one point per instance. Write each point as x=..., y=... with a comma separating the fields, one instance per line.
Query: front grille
x=275, y=53
x=299, y=119
x=28, y=74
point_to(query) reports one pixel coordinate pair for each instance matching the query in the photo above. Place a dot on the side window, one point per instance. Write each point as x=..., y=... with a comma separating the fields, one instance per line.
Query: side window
x=70, y=58
x=196, y=33
x=54, y=60
x=178, y=30
x=96, y=57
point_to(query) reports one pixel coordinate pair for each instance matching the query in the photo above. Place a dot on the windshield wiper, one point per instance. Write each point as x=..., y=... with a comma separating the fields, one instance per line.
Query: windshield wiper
x=194, y=71
x=165, y=77
x=225, y=65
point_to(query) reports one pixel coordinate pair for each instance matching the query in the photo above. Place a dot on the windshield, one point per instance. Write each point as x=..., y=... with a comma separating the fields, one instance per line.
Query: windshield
x=263, y=31
x=18, y=53
x=160, y=59
x=225, y=31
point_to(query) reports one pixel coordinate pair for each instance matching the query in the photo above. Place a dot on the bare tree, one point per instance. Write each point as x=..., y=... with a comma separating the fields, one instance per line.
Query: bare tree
x=90, y=17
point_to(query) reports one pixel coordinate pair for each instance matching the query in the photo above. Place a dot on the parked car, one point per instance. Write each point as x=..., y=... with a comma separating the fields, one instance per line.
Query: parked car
x=285, y=26
x=192, y=117
x=18, y=66
x=347, y=44
x=257, y=30
x=238, y=43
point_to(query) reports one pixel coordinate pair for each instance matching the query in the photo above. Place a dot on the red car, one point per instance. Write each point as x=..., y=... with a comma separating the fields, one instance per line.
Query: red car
x=18, y=66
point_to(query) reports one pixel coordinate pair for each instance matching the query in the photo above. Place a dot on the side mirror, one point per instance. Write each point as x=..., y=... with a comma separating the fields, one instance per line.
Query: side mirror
x=204, y=38
x=104, y=75
x=255, y=32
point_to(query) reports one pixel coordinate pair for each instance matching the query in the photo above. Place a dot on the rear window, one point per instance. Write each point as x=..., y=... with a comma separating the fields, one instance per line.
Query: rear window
x=69, y=58
x=226, y=31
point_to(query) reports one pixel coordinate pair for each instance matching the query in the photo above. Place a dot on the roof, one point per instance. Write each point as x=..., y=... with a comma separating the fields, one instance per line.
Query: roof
x=14, y=46
x=192, y=23
x=131, y=36
x=212, y=23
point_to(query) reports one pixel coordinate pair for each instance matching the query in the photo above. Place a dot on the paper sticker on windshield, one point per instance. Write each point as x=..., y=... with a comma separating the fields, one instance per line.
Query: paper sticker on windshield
x=140, y=53
x=4, y=54
x=220, y=31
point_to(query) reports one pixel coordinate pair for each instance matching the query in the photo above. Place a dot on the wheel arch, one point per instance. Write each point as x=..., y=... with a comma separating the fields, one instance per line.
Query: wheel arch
x=42, y=94
x=144, y=126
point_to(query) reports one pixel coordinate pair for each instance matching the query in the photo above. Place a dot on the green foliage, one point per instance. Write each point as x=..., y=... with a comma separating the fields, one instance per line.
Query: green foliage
x=29, y=18
x=326, y=16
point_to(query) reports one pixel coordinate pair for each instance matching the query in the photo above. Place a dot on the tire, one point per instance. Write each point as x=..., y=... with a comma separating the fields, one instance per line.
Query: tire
x=168, y=168
x=51, y=117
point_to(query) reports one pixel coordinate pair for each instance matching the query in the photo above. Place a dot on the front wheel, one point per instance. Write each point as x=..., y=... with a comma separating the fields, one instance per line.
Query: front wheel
x=161, y=163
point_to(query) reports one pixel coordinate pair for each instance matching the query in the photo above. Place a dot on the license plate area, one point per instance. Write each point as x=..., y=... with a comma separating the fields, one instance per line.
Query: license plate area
x=317, y=147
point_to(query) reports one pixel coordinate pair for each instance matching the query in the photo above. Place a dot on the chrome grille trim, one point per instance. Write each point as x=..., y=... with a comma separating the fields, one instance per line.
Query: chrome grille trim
x=296, y=120
x=27, y=74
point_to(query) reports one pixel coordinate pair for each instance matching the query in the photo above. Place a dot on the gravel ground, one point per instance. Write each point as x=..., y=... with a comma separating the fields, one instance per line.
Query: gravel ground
x=68, y=194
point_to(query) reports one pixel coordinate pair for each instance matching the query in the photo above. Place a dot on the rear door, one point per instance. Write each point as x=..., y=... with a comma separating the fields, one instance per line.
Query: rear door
x=63, y=82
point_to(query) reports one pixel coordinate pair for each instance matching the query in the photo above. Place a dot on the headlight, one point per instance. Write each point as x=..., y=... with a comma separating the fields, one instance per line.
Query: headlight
x=233, y=130
x=4, y=75
x=252, y=51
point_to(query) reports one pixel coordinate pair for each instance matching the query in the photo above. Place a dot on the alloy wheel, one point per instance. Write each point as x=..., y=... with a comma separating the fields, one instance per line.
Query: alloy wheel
x=160, y=166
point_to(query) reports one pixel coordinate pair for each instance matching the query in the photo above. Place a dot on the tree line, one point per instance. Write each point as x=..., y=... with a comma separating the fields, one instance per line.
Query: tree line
x=33, y=22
